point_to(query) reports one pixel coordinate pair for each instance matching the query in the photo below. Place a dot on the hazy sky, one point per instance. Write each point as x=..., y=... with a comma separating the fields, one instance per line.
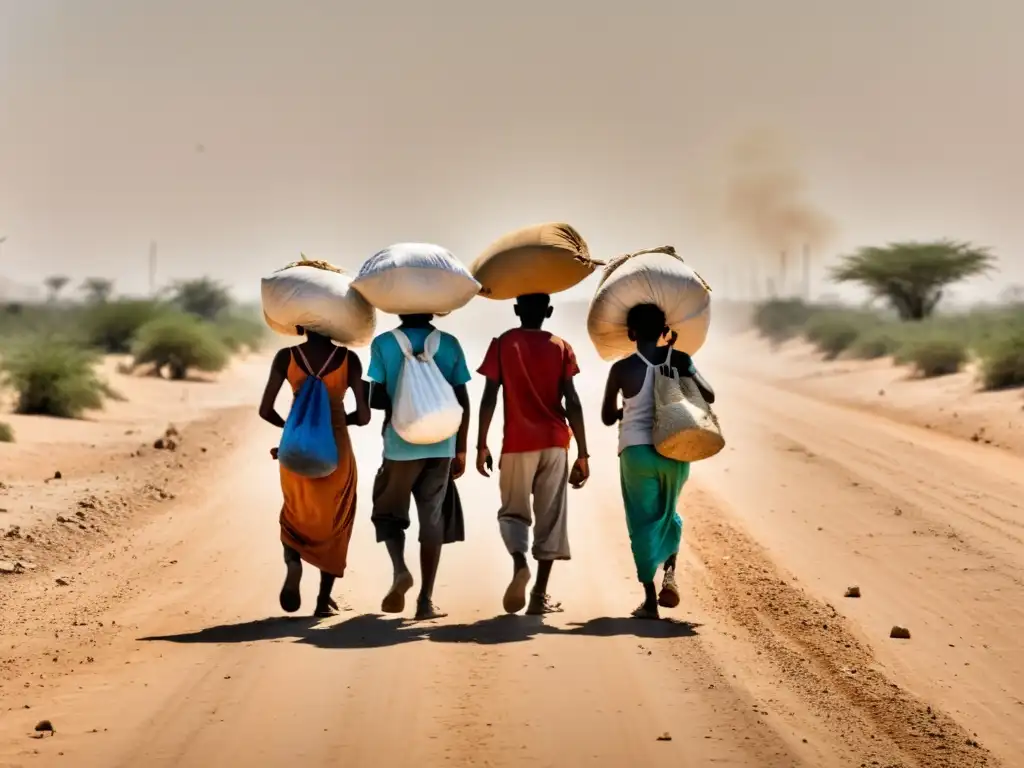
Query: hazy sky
x=336, y=128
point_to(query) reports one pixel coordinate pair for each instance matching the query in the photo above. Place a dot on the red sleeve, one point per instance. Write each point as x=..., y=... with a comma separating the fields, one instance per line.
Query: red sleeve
x=569, y=365
x=489, y=368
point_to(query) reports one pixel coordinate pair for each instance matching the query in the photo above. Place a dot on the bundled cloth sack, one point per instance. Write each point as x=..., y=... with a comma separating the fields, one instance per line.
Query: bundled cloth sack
x=655, y=276
x=414, y=279
x=685, y=427
x=308, y=446
x=425, y=410
x=319, y=297
x=544, y=258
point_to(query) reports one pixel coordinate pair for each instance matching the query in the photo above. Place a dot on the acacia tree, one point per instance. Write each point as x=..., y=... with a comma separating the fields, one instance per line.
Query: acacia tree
x=97, y=289
x=55, y=284
x=912, y=276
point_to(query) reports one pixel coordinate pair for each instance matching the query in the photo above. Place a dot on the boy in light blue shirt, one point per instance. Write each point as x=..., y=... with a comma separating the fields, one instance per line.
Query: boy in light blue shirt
x=409, y=471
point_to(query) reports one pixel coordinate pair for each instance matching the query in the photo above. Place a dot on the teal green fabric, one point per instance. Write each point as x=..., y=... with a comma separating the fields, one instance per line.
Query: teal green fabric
x=651, y=485
x=386, y=361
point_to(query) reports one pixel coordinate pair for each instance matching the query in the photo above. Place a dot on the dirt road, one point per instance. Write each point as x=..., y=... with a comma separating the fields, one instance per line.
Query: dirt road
x=167, y=649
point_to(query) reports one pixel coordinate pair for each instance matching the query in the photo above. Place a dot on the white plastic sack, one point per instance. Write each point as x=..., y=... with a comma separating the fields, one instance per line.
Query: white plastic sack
x=657, y=276
x=415, y=278
x=425, y=410
x=320, y=300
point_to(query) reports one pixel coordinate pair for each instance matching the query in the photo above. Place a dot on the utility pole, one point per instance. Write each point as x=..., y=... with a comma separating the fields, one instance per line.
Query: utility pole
x=807, y=273
x=782, y=274
x=152, y=268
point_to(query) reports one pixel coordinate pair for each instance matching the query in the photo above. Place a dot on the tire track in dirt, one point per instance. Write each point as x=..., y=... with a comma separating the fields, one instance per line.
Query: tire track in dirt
x=821, y=656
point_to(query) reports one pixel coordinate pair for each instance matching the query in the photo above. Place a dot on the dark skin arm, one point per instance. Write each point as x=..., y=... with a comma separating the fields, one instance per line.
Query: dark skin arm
x=488, y=404
x=360, y=417
x=684, y=364
x=574, y=415
x=278, y=374
x=611, y=413
x=462, y=439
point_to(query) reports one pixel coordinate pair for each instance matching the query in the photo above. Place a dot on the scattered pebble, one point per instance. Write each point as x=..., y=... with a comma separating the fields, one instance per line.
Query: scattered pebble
x=666, y=736
x=6, y=567
x=899, y=633
x=853, y=592
x=45, y=726
x=62, y=582
x=57, y=475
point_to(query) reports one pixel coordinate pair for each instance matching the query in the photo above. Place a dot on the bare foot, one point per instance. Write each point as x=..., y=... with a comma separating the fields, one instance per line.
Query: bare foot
x=515, y=595
x=669, y=595
x=394, y=600
x=426, y=611
x=646, y=612
x=325, y=608
x=541, y=605
x=291, y=598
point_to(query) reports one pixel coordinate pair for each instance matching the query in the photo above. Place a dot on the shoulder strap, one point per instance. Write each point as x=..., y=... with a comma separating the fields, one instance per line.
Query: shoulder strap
x=403, y=343
x=431, y=345
x=309, y=368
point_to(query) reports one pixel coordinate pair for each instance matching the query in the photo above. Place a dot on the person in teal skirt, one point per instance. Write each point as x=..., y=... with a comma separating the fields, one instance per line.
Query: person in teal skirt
x=651, y=484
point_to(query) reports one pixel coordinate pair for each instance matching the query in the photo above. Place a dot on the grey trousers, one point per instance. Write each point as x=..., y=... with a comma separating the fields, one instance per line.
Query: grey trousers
x=534, y=493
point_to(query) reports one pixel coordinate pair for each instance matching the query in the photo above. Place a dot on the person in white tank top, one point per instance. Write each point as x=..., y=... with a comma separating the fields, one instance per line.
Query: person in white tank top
x=651, y=484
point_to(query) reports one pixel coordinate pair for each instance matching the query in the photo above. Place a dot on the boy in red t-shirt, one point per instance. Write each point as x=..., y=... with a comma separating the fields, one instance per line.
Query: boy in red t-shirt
x=536, y=370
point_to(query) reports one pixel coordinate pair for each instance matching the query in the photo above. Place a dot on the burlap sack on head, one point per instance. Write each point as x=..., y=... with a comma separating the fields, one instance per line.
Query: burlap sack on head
x=319, y=297
x=685, y=427
x=414, y=279
x=543, y=258
x=654, y=276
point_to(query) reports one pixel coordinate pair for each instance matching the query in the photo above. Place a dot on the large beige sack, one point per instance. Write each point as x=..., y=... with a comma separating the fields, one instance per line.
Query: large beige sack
x=415, y=278
x=544, y=258
x=320, y=298
x=685, y=427
x=656, y=276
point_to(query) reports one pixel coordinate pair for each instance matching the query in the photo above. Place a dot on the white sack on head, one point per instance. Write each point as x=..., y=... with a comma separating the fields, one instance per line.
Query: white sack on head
x=415, y=278
x=320, y=298
x=544, y=258
x=656, y=276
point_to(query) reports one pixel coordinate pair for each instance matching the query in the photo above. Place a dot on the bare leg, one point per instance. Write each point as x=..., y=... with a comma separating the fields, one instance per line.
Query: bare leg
x=291, y=597
x=394, y=601
x=649, y=609
x=515, y=594
x=325, y=605
x=540, y=603
x=430, y=559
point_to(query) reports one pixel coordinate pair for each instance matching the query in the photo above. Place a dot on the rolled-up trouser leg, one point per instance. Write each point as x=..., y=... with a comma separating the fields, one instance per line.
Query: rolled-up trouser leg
x=550, y=506
x=516, y=474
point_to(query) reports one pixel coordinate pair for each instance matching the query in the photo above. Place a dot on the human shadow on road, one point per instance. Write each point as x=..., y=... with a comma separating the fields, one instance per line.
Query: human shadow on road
x=375, y=631
x=274, y=628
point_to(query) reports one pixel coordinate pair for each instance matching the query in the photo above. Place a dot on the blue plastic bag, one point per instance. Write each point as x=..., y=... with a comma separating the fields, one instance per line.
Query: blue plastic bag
x=307, y=444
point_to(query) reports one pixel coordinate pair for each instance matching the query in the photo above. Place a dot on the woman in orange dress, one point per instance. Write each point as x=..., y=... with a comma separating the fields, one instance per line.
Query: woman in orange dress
x=318, y=513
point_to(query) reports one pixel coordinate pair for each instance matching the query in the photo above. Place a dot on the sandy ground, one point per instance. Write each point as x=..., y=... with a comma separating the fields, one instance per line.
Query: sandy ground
x=166, y=646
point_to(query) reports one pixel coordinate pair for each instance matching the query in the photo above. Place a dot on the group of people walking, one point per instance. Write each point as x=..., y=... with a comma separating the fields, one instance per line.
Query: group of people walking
x=533, y=371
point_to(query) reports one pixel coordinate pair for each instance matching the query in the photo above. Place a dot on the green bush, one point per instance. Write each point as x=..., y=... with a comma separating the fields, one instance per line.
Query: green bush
x=53, y=378
x=112, y=326
x=239, y=332
x=6, y=432
x=935, y=356
x=1002, y=360
x=179, y=343
x=833, y=332
x=874, y=343
x=780, y=320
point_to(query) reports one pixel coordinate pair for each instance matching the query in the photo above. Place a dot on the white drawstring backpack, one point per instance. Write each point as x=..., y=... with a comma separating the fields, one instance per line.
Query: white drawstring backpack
x=425, y=410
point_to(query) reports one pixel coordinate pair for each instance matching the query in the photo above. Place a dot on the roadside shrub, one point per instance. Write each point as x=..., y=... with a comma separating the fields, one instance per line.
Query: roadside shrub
x=935, y=356
x=53, y=378
x=239, y=332
x=874, y=343
x=179, y=343
x=1002, y=360
x=6, y=432
x=832, y=333
x=112, y=326
x=780, y=320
